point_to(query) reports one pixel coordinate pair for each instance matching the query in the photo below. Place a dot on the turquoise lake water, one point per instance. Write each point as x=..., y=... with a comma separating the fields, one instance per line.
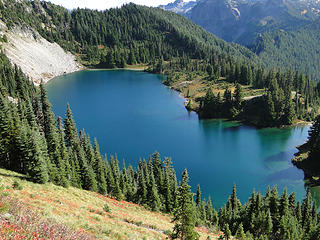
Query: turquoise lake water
x=132, y=114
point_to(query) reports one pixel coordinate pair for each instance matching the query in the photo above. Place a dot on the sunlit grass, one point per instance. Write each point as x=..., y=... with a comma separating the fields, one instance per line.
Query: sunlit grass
x=86, y=211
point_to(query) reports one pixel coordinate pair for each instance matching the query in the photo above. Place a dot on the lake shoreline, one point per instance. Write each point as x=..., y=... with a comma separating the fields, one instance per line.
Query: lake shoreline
x=86, y=68
x=297, y=123
x=132, y=118
x=142, y=68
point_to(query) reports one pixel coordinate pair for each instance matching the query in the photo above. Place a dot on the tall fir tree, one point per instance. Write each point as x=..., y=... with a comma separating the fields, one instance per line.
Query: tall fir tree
x=198, y=195
x=184, y=215
x=153, y=196
x=37, y=165
x=99, y=169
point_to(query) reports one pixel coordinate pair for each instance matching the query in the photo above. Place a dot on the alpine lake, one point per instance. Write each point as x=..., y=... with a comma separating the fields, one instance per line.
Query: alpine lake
x=132, y=114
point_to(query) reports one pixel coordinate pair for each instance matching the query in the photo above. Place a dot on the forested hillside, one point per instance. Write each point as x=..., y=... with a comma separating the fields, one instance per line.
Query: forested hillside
x=244, y=92
x=116, y=37
x=283, y=34
x=297, y=49
x=173, y=45
x=242, y=21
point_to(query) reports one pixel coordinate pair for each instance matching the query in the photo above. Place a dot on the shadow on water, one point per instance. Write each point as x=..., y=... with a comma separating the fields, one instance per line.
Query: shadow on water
x=217, y=131
x=282, y=156
x=274, y=138
x=288, y=174
x=221, y=124
x=186, y=117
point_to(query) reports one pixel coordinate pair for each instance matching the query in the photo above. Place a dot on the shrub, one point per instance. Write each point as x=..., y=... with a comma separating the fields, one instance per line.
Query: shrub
x=4, y=207
x=5, y=38
x=16, y=185
x=106, y=208
x=29, y=224
x=168, y=232
x=91, y=210
x=100, y=212
x=5, y=194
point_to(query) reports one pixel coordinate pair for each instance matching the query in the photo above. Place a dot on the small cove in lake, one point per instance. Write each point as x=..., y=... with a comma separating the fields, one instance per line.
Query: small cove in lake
x=132, y=113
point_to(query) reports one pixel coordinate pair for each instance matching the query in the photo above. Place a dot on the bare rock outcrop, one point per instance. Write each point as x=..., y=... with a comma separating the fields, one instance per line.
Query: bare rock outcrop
x=37, y=58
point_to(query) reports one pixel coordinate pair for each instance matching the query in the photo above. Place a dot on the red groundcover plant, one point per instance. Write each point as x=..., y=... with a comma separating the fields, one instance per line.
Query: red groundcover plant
x=21, y=222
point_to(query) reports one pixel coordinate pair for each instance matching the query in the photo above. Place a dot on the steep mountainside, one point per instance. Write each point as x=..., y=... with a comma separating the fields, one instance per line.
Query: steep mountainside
x=283, y=33
x=292, y=49
x=241, y=21
x=116, y=37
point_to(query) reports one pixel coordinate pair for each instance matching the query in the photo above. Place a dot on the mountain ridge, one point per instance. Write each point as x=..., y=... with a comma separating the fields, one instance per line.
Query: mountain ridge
x=297, y=49
x=244, y=19
x=173, y=34
x=180, y=6
x=280, y=32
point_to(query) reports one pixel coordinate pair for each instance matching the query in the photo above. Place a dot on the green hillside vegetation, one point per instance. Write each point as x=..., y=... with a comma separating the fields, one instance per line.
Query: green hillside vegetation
x=241, y=21
x=46, y=211
x=242, y=92
x=298, y=49
x=116, y=37
x=283, y=34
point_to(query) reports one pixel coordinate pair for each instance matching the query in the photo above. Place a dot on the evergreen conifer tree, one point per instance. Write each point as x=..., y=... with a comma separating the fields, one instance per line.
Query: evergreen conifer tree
x=99, y=169
x=70, y=129
x=51, y=134
x=227, y=232
x=238, y=97
x=240, y=235
x=184, y=216
x=37, y=168
x=153, y=197
x=198, y=196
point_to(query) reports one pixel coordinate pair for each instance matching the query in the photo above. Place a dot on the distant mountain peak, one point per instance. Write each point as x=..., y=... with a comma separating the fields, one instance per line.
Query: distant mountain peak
x=180, y=6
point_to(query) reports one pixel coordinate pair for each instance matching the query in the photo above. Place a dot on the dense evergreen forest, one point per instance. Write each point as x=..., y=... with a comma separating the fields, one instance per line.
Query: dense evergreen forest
x=49, y=149
x=285, y=98
x=297, y=49
x=116, y=37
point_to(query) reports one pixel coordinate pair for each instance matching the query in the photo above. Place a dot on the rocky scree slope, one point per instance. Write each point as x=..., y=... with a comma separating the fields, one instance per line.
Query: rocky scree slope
x=39, y=59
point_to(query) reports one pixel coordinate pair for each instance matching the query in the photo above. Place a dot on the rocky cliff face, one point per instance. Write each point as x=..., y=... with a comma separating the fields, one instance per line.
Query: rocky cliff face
x=38, y=58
